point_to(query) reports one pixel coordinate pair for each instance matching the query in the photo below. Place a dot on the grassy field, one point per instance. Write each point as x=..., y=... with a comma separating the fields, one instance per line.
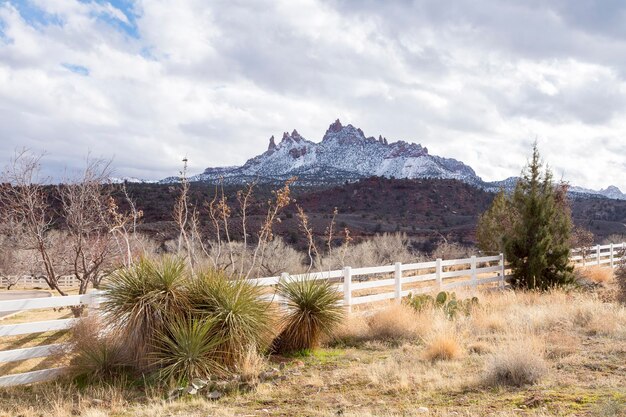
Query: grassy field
x=568, y=348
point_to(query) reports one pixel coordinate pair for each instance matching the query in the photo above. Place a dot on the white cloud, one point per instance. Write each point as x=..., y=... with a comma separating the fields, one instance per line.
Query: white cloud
x=477, y=81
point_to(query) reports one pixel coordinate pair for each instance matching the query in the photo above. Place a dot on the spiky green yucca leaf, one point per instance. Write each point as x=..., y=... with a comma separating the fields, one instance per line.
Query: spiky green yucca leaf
x=314, y=310
x=242, y=317
x=140, y=298
x=187, y=348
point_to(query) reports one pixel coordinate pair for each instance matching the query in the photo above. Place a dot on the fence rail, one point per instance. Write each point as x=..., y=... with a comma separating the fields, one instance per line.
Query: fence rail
x=358, y=285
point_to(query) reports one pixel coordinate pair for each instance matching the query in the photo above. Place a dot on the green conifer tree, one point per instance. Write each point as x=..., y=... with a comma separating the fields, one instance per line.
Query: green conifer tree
x=495, y=224
x=538, y=245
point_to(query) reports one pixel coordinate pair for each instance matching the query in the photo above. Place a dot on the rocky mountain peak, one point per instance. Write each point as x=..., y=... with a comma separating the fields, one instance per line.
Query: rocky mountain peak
x=296, y=136
x=272, y=146
x=344, y=154
x=334, y=127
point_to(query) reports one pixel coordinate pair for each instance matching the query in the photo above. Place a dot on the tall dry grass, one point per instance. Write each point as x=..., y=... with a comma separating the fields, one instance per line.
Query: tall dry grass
x=597, y=274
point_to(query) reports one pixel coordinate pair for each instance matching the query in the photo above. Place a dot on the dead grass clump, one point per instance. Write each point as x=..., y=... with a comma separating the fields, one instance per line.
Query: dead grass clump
x=517, y=363
x=442, y=347
x=560, y=345
x=396, y=323
x=479, y=348
x=251, y=365
x=597, y=274
x=353, y=331
x=96, y=352
x=620, y=277
x=391, y=374
x=488, y=321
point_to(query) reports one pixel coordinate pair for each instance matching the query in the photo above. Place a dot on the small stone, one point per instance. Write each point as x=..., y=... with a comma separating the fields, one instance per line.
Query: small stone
x=423, y=410
x=214, y=395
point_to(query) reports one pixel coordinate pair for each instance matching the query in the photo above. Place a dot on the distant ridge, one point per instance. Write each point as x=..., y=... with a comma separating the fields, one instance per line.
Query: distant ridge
x=346, y=154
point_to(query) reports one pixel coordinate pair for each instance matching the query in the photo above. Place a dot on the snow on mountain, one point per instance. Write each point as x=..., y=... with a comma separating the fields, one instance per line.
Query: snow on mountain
x=122, y=180
x=610, y=192
x=344, y=154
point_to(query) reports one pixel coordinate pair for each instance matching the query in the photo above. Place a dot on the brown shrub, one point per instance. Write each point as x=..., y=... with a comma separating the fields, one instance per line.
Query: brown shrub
x=517, y=363
x=95, y=351
x=396, y=323
x=597, y=274
x=353, y=331
x=442, y=347
x=620, y=278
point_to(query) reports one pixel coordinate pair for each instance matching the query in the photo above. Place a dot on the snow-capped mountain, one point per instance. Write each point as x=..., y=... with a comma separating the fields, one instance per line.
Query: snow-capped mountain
x=344, y=154
x=610, y=192
x=132, y=180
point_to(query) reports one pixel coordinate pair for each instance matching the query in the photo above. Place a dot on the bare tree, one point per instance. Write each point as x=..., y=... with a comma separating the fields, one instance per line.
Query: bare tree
x=89, y=222
x=26, y=213
x=124, y=227
x=77, y=239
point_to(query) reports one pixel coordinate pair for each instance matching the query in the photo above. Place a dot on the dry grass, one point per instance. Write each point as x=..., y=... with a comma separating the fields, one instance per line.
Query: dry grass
x=554, y=354
x=396, y=323
x=516, y=363
x=597, y=274
x=442, y=347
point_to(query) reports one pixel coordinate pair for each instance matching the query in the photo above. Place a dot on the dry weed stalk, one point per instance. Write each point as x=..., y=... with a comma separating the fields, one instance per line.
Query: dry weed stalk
x=312, y=251
x=282, y=198
x=124, y=225
x=243, y=197
x=181, y=215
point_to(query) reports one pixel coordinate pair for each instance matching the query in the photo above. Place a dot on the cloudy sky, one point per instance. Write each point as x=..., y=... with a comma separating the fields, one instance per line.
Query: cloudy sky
x=147, y=82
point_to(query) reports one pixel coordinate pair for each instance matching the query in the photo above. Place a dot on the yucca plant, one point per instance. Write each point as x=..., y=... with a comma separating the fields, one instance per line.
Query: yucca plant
x=243, y=319
x=141, y=297
x=187, y=348
x=313, y=311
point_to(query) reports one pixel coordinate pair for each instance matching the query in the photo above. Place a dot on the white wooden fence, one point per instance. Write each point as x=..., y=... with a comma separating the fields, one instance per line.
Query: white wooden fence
x=606, y=255
x=358, y=285
x=29, y=281
x=89, y=300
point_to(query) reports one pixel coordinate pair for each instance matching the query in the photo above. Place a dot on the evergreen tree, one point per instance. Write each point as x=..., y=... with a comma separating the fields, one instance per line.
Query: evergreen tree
x=495, y=224
x=538, y=245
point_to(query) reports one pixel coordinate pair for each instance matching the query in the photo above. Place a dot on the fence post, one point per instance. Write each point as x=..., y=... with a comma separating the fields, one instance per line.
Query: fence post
x=473, y=272
x=347, y=288
x=598, y=254
x=502, y=270
x=612, y=257
x=438, y=273
x=94, y=299
x=398, y=278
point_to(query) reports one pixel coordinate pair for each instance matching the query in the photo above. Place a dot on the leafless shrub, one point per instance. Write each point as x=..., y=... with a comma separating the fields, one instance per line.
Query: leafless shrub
x=383, y=249
x=279, y=258
x=451, y=251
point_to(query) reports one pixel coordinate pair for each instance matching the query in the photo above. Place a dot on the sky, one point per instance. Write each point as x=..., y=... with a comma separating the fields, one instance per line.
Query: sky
x=150, y=82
